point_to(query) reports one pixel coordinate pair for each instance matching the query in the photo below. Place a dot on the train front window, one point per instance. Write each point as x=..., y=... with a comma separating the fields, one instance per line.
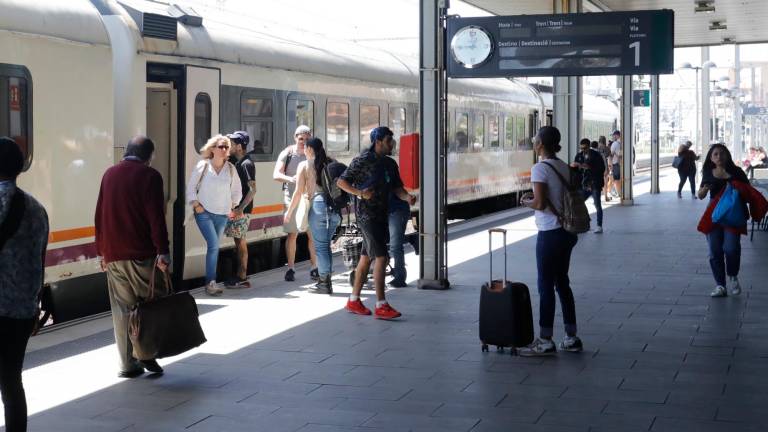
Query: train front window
x=300, y=112
x=202, y=126
x=509, y=131
x=256, y=114
x=397, y=121
x=370, y=118
x=493, y=131
x=337, y=127
x=522, y=139
x=462, y=132
x=479, y=132
x=15, y=112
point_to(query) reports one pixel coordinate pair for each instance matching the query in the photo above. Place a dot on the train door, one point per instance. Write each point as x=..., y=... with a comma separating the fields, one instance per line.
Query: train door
x=201, y=122
x=162, y=129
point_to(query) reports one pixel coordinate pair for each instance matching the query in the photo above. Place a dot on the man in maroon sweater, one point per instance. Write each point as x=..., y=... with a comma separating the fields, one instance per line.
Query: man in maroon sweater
x=131, y=238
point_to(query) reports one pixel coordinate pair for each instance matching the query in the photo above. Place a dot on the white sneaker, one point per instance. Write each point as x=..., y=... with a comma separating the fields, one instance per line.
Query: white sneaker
x=719, y=291
x=213, y=289
x=598, y=230
x=734, y=285
x=571, y=344
x=539, y=348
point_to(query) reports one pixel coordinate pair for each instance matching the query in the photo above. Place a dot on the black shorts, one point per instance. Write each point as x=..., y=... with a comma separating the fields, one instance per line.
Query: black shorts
x=375, y=237
x=616, y=171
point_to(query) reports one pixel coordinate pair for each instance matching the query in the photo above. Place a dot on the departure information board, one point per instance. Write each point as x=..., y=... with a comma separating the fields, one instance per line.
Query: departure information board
x=608, y=43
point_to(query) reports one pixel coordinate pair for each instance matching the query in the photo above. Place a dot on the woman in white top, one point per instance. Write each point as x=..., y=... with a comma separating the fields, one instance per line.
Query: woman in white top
x=553, y=245
x=213, y=191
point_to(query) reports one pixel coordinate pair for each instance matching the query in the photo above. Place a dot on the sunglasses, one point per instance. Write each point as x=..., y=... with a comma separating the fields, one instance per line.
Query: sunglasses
x=223, y=147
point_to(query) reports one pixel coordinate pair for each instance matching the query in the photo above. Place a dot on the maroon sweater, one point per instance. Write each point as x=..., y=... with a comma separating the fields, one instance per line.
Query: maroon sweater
x=130, y=215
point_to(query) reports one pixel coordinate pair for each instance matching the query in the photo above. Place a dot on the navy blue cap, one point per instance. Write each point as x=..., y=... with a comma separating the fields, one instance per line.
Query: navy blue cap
x=240, y=137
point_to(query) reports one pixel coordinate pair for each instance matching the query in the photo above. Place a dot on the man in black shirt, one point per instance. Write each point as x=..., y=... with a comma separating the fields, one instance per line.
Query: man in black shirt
x=237, y=226
x=590, y=162
x=368, y=178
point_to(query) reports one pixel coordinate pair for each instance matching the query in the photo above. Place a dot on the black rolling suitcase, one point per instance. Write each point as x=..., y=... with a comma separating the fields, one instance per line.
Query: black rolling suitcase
x=506, y=319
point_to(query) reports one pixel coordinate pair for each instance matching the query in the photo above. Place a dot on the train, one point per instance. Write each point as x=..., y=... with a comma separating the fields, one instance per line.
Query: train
x=79, y=78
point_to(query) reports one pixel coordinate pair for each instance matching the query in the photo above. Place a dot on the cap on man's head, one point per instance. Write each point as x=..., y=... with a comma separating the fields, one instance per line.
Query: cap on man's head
x=303, y=129
x=616, y=132
x=380, y=133
x=240, y=137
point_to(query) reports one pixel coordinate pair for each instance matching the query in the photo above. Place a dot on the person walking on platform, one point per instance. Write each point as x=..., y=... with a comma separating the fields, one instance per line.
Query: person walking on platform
x=213, y=191
x=323, y=218
x=23, y=242
x=724, y=241
x=590, y=163
x=237, y=225
x=553, y=246
x=131, y=239
x=368, y=179
x=687, y=168
x=616, y=155
x=605, y=151
x=399, y=213
x=285, y=171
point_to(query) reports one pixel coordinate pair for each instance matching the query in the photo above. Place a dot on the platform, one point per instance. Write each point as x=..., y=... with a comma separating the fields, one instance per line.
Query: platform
x=661, y=355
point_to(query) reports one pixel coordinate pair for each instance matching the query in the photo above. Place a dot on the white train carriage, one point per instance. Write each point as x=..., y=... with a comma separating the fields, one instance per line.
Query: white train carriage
x=81, y=77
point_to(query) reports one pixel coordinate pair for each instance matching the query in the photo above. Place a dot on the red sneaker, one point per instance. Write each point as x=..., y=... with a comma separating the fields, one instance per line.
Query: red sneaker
x=387, y=312
x=357, y=307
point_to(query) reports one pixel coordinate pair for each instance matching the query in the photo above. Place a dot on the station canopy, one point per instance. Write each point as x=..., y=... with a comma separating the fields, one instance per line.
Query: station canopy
x=697, y=22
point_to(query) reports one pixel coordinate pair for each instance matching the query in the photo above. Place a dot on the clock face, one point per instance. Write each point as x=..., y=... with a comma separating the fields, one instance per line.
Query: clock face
x=471, y=46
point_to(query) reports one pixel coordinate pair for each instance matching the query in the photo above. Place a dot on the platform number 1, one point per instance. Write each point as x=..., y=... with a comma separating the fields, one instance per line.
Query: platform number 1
x=636, y=46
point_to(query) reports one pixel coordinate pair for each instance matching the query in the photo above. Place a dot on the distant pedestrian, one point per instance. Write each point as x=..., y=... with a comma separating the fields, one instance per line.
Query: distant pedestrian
x=616, y=159
x=131, y=239
x=237, y=225
x=368, y=179
x=605, y=151
x=23, y=241
x=399, y=213
x=285, y=171
x=323, y=218
x=687, y=168
x=724, y=241
x=213, y=191
x=590, y=163
x=758, y=160
x=553, y=246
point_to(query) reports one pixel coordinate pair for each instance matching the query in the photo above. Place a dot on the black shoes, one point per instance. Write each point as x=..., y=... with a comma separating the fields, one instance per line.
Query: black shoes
x=323, y=286
x=151, y=365
x=396, y=283
x=131, y=373
x=290, y=275
x=314, y=275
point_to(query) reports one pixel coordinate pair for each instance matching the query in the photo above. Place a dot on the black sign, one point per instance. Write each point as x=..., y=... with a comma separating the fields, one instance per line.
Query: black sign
x=608, y=43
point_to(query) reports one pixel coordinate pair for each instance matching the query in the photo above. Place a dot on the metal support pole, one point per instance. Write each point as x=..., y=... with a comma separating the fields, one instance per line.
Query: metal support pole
x=568, y=99
x=655, y=134
x=698, y=141
x=433, y=181
x=738, y=145
x=706, y=126
x=627, y=138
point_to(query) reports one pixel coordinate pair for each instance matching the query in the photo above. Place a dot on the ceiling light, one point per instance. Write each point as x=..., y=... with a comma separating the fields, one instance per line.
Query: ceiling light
x=706, y=6
x=718, y=25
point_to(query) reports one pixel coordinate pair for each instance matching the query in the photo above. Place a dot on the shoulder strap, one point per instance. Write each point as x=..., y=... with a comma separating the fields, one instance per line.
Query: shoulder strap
x=560, y=176
x=200, y=180
x=567, y=187
x=12, y=221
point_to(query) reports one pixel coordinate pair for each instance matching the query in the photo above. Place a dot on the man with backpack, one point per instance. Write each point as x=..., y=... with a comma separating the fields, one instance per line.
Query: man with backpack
x=590, y=163
x=23, y=241
x=368, y=179
x=285, y=171
x=237, y=225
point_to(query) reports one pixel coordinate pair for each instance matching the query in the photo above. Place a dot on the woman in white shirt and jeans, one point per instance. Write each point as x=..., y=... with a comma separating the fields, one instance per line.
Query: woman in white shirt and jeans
x=213, y=191
x=553, y=246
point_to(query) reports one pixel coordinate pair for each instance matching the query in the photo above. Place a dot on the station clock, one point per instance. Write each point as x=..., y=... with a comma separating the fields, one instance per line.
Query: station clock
x=471, y=46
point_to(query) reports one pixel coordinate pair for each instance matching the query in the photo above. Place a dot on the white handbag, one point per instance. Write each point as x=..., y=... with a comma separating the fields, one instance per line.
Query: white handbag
x=302, y=214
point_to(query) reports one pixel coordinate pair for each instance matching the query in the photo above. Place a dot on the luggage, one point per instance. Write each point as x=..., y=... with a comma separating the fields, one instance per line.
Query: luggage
x=506, y=319
x=164, y=326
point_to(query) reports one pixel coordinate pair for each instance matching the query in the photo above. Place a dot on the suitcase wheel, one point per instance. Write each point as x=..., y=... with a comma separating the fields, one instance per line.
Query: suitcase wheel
x=499, y=349
x=484, y=348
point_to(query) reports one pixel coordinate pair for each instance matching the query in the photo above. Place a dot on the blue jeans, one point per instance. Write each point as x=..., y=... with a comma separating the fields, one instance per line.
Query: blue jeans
x=595, y=194
x=323, y=221
x=398, y=219
x=724, y=253
x=553, y=258
x=211, y=227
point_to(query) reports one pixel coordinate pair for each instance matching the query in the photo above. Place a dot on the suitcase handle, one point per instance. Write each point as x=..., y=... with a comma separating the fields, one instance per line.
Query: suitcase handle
x=503, y=232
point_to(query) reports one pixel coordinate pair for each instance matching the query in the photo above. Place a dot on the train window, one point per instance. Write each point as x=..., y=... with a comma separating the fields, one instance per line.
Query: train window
x=15, y=112
x=462, y=132
x=509, y=130
x=202, y=120
x=337, y=127
x=397, y=121
x=493, y=131
x=257, y=120
x=300, y=112
x=370, y=118
x=479, y=132
x=522, y=139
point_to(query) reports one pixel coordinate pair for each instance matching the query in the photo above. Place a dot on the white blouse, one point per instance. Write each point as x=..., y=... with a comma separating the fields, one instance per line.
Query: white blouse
x=217, y=193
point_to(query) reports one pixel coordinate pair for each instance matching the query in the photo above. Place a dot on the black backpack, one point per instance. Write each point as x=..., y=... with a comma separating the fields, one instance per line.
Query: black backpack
x=338, y=199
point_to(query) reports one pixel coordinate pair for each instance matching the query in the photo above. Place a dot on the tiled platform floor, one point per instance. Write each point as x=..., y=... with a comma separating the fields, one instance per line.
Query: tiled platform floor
x=661, y=355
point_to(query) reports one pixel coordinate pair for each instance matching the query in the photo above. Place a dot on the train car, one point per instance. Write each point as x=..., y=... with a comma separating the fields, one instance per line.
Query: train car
x=78, y=79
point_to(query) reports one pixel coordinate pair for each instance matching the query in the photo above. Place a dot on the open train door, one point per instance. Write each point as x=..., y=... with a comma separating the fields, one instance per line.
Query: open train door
x=202, y=121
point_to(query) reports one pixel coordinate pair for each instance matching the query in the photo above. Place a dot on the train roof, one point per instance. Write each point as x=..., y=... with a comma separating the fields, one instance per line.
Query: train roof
x=75, y=21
